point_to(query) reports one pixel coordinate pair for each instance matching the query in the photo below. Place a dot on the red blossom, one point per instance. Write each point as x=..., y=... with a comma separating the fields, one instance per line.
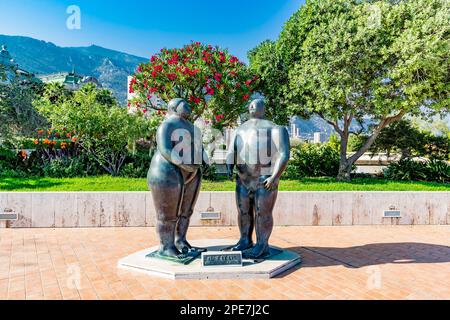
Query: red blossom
x=218, y=77
x=171, y=76
x=132, y=83
x=233, y=59
x=195, y=100
x=246, y=97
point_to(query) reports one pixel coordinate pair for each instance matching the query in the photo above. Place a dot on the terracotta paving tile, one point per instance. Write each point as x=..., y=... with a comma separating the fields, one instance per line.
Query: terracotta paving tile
x=373, y=262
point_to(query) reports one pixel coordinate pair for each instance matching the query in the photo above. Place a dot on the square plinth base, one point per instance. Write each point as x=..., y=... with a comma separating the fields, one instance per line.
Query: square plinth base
x=267, y=269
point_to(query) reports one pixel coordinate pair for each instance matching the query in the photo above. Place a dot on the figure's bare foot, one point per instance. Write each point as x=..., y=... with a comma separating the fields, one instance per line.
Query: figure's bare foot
x=172, y=252
x=185, y=247
x=242, y=245
x=259, y=251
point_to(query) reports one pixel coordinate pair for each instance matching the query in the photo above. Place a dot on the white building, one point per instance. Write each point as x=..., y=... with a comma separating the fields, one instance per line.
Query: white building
x=320, y=137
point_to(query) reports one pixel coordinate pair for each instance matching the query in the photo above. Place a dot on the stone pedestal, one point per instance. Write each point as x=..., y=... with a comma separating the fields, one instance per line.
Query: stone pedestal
x=166, y=269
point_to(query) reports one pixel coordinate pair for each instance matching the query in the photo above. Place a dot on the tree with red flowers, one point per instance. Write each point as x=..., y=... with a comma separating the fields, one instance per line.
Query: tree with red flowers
x=215, y=83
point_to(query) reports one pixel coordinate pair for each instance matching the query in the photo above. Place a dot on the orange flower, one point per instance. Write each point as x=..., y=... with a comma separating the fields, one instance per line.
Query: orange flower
x=74, y=139
x=23, y=154
x=63, y=145
x=40, y=132
x=46, y=141
x=36, y=142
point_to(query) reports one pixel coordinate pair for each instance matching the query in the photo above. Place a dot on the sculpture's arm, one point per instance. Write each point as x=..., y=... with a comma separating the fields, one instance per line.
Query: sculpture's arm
x=231, y=156
x=282, y=160
x=164, y=142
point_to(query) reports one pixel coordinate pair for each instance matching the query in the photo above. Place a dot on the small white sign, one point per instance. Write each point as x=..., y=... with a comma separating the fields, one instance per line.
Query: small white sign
x=210, y=215
x=392, y=214
x=8, y=215
x=222, y=259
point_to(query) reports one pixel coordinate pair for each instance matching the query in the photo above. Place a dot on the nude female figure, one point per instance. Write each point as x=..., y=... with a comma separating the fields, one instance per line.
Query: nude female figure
x=175, y=177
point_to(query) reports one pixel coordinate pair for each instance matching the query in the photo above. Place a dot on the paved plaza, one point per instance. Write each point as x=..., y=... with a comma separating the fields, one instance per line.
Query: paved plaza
x=373, y=262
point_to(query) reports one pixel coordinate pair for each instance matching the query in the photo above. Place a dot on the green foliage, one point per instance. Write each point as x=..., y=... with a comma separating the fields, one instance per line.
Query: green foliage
x=65, y=168
x=2, y=72
x=267, y=63
x=404, y=138
x=410, y=170
x=210, y=173
x=137, y=162
x=104, y=130
x=370, y=59
x=215, y=83
x=335, y=142
x=7, y=160
x=108, y=183
x=313, y=160
x=17, y=114
x=438, y=171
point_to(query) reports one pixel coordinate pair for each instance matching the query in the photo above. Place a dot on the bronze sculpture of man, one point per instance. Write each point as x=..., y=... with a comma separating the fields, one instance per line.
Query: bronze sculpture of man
x=260, y=151
x=175, y=177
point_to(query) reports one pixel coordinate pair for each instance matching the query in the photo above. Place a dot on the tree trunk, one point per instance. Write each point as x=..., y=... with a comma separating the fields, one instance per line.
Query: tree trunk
x=345, y=167
x=346, y=164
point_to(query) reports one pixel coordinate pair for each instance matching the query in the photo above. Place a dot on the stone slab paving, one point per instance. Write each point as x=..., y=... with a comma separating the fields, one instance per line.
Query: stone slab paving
x=373, y=262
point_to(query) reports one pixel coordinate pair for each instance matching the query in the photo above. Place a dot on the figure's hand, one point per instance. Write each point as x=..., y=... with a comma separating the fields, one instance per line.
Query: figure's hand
x=230, y=173
x=189, y=167
x=271, y=183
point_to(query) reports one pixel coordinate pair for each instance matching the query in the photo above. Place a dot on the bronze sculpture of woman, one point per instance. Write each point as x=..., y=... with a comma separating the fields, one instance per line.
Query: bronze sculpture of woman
x=175, y=177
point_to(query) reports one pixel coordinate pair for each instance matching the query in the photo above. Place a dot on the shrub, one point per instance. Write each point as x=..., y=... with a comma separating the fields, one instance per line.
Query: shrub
x=215, y=83
x=102, y=129
x=438, y=171
x=407, y=169
x=65, y=168
x=137, y=163
x=313, y=160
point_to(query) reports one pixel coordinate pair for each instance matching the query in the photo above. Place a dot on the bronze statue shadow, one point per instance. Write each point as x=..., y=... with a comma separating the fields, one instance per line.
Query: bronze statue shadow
x=371, y=255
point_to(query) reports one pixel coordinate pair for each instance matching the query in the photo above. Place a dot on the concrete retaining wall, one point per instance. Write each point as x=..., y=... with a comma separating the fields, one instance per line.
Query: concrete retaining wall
x=135, y=209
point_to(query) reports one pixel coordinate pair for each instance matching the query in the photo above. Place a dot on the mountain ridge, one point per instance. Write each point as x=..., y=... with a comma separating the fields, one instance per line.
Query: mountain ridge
x=40, y=57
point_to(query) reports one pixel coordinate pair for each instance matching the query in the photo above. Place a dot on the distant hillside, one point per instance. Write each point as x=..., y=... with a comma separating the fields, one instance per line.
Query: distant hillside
x=40, y=57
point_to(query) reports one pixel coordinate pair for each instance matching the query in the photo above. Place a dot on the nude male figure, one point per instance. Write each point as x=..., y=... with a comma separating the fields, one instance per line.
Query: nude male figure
x=260, y=151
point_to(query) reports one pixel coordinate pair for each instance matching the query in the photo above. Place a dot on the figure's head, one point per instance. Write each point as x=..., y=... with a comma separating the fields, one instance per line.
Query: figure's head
x=257, y=109
x=180, y=107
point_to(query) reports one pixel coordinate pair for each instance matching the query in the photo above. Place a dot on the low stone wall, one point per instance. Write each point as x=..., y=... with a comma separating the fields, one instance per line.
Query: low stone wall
x=135, y=209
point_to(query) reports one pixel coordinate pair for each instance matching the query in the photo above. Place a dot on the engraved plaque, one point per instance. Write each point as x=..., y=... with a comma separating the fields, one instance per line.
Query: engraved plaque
x=218, y=259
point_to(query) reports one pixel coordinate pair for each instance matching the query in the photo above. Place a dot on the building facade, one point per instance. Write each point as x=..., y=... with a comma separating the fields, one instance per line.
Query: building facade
x=71, y=80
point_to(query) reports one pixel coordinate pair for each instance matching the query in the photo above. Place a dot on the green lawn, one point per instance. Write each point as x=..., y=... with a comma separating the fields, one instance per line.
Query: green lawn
x=106, y=183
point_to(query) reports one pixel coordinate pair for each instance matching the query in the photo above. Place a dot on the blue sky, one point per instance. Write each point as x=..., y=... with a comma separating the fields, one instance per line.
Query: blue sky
x=143, y=27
